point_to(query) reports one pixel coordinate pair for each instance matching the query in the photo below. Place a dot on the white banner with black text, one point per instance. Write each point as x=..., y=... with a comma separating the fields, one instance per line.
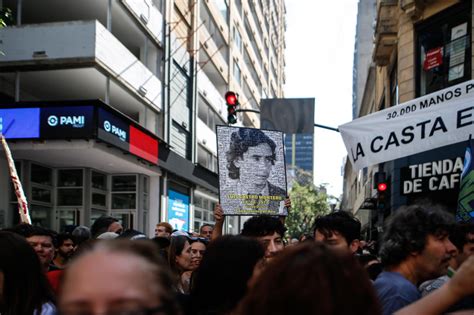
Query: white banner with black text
x=429, y=122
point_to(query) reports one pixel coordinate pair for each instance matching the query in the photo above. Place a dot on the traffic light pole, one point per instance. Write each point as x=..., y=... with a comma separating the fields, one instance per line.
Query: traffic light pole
x=258, y=112
x=247, y=110
x=326, y=127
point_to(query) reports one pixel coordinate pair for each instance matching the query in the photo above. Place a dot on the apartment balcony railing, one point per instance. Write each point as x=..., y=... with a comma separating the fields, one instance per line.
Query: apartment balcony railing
x=77, y=44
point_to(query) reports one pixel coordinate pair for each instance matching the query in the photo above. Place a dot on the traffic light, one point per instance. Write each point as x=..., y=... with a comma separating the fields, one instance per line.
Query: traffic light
x=232, y=100
x=382, y=185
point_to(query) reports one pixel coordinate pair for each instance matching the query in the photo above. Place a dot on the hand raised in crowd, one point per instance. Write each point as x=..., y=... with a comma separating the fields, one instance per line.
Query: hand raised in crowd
x=288, y=208
x=218, y=213
x=462, y=283
x=219, y=218
x=288, y=203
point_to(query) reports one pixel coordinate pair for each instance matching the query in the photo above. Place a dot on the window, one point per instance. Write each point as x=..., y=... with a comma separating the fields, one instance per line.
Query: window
x=99, y=181
x=98, y=190
x=237, y=39
x=444, y=50
x=41, y=175
x=203, y=211
x=207, y=159
x=41, y=184
x=208, y=115
x=95, y=214
x=237, y=72
x=394, y=86
x=41, y=216
x=223, y=6
x=124, y=192
x=70, y=187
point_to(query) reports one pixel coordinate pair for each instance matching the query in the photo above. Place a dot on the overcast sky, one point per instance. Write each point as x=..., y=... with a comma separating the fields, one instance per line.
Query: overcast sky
x=319, y=54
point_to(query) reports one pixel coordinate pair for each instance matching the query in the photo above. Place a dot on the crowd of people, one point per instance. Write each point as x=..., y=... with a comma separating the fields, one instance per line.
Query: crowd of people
x=424, y=266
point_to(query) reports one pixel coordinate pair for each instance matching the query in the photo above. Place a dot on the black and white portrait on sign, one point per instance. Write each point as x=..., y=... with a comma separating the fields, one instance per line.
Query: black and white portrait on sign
x=252, y=174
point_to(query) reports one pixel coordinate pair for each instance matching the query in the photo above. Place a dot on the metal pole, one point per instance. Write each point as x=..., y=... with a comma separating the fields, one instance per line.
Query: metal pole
x=293, y=151
x=326, y=127
x=258, y=112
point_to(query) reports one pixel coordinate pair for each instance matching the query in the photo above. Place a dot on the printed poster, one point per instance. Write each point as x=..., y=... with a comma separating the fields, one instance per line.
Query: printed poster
x=252, y=172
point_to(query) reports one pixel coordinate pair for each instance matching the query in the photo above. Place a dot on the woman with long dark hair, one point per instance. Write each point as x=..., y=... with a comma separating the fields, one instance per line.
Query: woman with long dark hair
x=24, y=287
x=179, y=260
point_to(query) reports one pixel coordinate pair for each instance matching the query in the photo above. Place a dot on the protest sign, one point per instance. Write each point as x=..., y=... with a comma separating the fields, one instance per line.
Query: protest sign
x=432, y=121
x=252, y=175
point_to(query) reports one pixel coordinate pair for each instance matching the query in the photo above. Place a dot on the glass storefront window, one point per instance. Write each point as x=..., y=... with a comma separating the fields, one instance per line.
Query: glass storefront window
x=40, y=216
x=197, y=201
x=124, y=183
x=99, y=181
x=99, y=200
x=197, y=214
x=95, y=214
x=202, y=212
x=126, y=219
x=67, y=217
x=69, y=197
x=444, y=49
x=123, y=201
x=70, y=178
x=41, y=194
x=41, y=175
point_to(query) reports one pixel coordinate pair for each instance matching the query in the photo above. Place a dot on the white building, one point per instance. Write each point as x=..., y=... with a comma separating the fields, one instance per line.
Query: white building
x=147, y=78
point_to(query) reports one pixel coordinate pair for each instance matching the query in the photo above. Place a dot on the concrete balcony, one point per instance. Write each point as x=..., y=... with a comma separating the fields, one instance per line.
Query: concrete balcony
x=211, y=58
x=211, y=94
x=78, y=44
x=148, y=16
x=386, y=31
x=206, y=137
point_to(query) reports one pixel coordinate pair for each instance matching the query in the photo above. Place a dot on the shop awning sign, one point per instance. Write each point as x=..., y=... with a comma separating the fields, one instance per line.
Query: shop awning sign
x=429, y=122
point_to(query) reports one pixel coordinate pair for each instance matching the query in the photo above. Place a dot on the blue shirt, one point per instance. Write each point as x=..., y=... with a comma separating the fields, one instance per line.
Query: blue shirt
x=395, y=291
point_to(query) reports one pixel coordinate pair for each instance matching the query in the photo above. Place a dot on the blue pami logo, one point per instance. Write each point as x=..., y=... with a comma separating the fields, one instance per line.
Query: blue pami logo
x=122, y=134
x=73, y=121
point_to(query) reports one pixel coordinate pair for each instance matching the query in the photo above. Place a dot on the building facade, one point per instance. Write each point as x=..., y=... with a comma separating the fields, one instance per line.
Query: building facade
x=140, y=74
x=303, y=151
x=420, y=47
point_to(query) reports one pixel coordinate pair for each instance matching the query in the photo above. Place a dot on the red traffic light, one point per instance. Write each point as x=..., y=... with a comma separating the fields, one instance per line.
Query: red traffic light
x=382, y=187
x=231, y=98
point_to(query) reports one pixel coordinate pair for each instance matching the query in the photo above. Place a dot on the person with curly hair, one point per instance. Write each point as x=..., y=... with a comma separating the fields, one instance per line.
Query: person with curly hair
x=415, y=248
